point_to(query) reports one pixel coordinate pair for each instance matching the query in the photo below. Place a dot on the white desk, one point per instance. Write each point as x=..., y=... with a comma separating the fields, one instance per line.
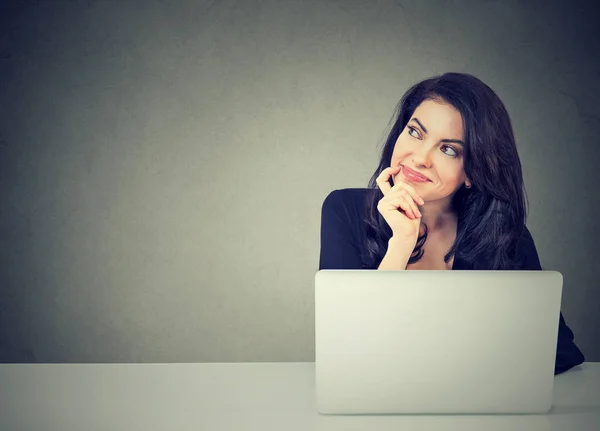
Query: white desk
x=237, y=396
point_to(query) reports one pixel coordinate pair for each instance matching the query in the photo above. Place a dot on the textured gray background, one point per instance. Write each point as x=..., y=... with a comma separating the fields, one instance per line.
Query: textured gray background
x=163, y=164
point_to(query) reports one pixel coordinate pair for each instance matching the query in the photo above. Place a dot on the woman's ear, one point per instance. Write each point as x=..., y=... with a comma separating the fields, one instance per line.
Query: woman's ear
x=468, y=184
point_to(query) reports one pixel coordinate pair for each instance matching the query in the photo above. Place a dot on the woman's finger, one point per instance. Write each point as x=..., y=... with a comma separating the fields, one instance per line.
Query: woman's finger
x=403, y=202
x=401, y=185
x=409, y=207
x=383, y=179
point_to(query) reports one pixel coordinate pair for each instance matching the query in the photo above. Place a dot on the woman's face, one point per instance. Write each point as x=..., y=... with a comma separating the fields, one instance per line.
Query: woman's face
x=432, y=145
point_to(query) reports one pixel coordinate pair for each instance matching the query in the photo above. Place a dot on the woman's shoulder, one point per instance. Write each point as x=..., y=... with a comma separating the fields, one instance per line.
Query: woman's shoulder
x=347, y=197
x=525, y=238
x=349, y=204
x=527, y=254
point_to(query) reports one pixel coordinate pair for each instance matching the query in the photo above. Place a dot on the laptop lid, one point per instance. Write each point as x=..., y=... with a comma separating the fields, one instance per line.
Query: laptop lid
x=435, y=341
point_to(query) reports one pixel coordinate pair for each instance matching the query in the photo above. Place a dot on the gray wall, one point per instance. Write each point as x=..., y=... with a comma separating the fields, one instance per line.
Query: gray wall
x=163, y=164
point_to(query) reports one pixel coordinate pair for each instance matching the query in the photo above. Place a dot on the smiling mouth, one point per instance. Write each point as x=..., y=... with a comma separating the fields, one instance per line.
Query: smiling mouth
x=413, y=176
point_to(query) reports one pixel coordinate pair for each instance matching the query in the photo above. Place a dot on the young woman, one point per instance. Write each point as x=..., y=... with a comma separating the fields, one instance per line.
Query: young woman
x=456, y=199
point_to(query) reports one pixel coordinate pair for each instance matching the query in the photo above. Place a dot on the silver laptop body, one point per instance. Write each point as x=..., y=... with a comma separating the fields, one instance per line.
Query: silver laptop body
x=437, y=342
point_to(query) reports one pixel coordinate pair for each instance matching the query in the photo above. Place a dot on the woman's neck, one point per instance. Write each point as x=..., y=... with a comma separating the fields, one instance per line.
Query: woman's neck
x=438, y=215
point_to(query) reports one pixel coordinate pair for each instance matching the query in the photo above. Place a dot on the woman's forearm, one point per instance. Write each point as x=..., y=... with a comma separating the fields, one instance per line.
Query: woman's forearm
x=397, y=254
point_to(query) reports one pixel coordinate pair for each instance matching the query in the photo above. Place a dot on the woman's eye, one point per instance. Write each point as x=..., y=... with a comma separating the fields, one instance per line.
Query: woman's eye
x=453, y=152
x=411, y=130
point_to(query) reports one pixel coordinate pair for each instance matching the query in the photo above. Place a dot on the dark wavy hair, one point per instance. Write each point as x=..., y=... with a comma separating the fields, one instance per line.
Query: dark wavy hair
x=492, y=213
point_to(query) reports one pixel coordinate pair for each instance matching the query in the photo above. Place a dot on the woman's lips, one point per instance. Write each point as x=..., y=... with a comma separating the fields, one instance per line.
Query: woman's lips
x=411, y=175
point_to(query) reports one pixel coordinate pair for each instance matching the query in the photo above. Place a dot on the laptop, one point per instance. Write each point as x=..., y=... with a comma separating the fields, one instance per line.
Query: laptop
x=435, y=342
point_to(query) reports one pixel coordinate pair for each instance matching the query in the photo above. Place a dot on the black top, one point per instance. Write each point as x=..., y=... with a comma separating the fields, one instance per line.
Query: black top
x=343, y=237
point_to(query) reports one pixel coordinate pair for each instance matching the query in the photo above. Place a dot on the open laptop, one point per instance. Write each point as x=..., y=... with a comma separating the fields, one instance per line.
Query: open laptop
x=436, y=342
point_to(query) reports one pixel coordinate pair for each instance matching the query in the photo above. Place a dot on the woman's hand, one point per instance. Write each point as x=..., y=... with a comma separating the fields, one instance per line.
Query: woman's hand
x=399, y=206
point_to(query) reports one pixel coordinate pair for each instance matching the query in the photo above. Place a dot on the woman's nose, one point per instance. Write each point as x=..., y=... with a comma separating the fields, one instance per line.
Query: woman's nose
x=422, y=157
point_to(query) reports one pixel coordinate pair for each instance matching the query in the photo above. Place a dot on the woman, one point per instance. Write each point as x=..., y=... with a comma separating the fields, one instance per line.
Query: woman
x=456, y=201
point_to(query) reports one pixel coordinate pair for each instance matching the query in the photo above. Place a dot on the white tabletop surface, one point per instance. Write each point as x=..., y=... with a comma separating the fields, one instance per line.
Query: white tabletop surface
x=238, y=396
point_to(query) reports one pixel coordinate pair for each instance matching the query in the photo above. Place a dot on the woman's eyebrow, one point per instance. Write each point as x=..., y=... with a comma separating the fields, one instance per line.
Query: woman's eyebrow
x=456, y=141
